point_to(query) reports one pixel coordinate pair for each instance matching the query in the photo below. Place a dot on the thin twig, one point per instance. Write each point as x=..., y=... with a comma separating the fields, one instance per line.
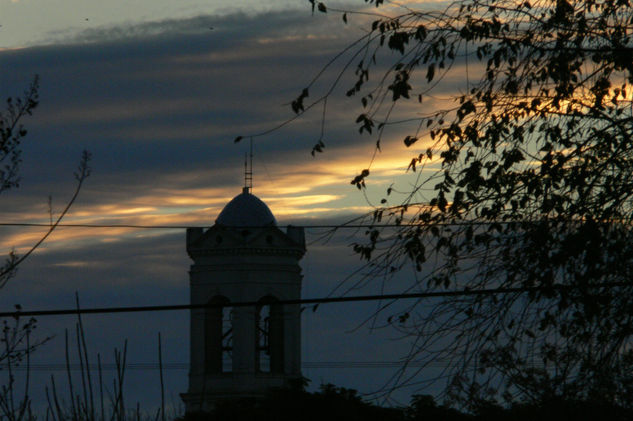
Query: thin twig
x=162, y=385
x=70, y=379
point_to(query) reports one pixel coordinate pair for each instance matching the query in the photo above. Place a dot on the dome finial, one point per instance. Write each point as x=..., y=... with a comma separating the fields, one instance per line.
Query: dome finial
x=248, y=172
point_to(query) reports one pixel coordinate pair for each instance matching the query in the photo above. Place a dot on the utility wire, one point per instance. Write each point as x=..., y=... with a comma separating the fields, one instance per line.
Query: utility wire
x=185, y=366
x=340, y=226
x=460, y=293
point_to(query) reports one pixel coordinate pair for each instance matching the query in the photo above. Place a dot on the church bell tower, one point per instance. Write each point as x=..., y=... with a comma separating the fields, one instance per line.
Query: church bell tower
x=241, y=352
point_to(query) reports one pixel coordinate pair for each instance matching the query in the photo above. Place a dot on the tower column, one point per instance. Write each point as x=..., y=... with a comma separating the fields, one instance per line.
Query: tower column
x=292, y=345
x=244, y=339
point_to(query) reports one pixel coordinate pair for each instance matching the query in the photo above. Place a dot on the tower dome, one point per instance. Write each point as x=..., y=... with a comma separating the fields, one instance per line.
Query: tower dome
x=246, y=210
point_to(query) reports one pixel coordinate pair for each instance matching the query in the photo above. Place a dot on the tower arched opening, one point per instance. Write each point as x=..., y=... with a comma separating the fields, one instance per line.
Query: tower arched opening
x=218, y=328
x=270, y=336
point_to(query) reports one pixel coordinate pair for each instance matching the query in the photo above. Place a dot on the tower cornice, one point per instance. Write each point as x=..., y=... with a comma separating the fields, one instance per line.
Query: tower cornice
x=245, y=251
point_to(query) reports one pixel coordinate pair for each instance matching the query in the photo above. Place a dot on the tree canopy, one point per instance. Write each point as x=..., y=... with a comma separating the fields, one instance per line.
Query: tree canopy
x=522, y=181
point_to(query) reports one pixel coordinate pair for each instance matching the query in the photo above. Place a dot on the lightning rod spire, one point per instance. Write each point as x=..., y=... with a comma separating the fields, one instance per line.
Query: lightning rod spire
x=248, y=170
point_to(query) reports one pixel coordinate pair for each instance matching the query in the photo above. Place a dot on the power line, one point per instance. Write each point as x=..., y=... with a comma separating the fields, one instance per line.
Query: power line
x=438, y=294
x=104, y=367
x=35, y=224
x=340, y=226
x=179, y=227
x=185, y=366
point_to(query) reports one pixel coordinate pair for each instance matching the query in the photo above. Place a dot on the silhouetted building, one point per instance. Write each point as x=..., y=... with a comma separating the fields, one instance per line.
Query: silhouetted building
x=239, y=352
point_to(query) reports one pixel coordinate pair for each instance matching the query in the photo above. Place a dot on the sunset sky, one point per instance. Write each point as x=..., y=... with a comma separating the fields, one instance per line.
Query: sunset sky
x=157, y=91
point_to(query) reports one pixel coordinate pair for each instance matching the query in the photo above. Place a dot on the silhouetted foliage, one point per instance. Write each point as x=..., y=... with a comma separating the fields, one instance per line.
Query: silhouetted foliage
x=423, y=407
x=331, y=402
x=523, y=179
x=12, y=132
x=341, y=404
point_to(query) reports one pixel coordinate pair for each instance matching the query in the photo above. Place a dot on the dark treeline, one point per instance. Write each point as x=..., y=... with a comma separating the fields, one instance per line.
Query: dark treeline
x=338, y=403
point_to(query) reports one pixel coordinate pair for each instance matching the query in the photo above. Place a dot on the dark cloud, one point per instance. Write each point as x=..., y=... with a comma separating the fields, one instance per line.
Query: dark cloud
x=163, y=96
x=231, y=28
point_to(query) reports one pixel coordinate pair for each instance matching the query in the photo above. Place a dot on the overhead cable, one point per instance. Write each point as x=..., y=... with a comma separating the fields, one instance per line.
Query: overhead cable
x=180, y=227
x=185, y=366
x=431, y=294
